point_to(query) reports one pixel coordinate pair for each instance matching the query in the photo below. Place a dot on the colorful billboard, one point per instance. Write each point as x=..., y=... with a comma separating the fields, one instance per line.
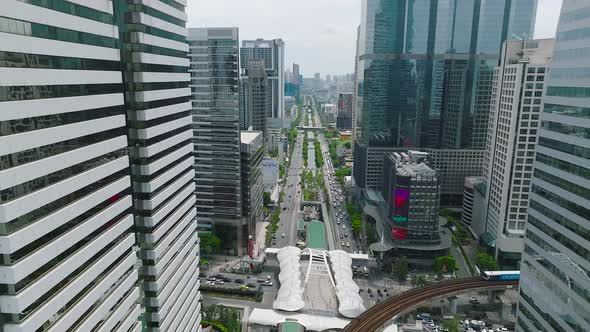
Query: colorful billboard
x=399, y=233
x=401, y=203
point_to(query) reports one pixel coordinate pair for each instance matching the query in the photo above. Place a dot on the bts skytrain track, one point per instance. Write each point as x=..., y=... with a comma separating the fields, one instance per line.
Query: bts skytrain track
x=379, y=314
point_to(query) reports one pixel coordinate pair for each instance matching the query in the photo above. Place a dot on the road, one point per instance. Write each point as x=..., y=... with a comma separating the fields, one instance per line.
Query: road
x=338, y=217
x=291, y=201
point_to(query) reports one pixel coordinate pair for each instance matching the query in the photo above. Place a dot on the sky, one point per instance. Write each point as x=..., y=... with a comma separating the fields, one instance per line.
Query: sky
x=320, y=35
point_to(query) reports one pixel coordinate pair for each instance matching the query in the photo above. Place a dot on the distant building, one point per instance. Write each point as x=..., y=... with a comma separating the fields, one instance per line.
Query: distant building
x=410, y=201
x=270, y=174
x=517, y=95
x=272, y=54
x=344, y=118
x=255, y=97
x=469, y=198
x=216, y=129
x=330, y=111
x=252, y=151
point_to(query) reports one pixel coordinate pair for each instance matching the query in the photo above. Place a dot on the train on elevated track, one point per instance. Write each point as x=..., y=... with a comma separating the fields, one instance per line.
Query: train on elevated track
x=500, y=275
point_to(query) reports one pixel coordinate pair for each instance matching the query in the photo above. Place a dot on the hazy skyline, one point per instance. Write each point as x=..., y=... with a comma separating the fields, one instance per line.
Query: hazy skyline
x=319, y=35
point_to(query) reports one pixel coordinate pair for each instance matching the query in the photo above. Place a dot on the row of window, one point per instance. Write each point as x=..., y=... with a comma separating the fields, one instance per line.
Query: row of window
x=582, y=112
x=565, y=147
x=561, y=220
x=38, y=30
x=29, y=92
x=10, y=127
x=573, y=207
x=157, y=14
x=564, y=165
x=38, y=153
x=25, y=60
x=565, y=91
x=73, y=9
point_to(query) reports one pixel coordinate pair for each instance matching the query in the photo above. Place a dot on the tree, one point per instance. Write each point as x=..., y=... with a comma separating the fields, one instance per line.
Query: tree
x=348, y=145
x=228, y=317
x=401, y=268
x=486, y=262
x=343, y=172
x=210, y=243
x=452, y=325
x=265, y=198
x=419, y=281
x=445, y=264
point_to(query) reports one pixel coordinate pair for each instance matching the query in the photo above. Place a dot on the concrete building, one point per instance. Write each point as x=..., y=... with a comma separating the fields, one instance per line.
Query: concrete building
x=410, y=202
x=95, y=144
x=252, y=151
x=554, y=280
x=216, y=129
x=344, y=118
x=517, y=93
x=270, y=174
x=417, y=63
x=272, y=54
x=469, y=199
x=255, y=97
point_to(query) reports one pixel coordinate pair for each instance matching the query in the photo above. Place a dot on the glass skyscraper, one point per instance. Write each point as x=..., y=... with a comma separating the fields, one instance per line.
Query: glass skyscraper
x=555, y=269
x=96, y=167
x=216, y=131
x=426, y=77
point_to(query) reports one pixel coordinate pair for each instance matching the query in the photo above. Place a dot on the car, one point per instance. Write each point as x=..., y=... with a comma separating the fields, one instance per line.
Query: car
x=267, y=283
x=239, y=281
x=346, y=234
x=473, y=300
x=251, y=285
x=202, y=275
x=210, y=283
x=219, y=282
x=274, y=242
x=219, y=276
x=283, y=235
x=348, y=244
x=338, y=222
x=343, y=243
x=284, y=208
x=343, y=226
x=501, y=329
x=341, y=236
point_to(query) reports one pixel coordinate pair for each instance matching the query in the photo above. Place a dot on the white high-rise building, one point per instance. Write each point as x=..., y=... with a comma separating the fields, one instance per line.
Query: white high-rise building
x=517, y=92
x=555, y=270
x=66, y=222
x=95, y=145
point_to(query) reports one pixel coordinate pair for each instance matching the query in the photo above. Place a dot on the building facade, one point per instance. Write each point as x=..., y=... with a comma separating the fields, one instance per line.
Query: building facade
x=344, y=118
x=214, y=73
x=411, y=202
x=513, y=127
x=255, y=97
x=272, y=54
x=96, y=146
x=554, y=279
x=252, y=185
x=427, y=71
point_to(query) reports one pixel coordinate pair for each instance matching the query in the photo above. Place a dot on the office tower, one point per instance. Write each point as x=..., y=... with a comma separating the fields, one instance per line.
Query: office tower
x=426, y=82
x=411, y=193
x=468, y=209
x=344, y=118
x=255, y=97
x=252, y=152
x=66, y=223
x=517, y=91
x=296, y=73
x=272, y=54
x=156, y=78
x=216, y=129
x=555, y=280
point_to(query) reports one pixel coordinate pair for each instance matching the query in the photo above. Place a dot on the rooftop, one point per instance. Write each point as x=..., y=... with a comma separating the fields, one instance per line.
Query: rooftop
x=316, y=235
x=247, y=137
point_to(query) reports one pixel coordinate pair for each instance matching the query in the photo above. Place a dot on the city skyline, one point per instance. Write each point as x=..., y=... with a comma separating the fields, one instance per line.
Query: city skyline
x=330, y=27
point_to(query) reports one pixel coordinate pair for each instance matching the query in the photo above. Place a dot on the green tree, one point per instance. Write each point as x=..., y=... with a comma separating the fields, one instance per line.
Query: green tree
x=227, y=317
x=348, y=145
x=401, y=268
x=419, y=281
x=445, y=264
x=347, y=171
x=210, y=243
x=452, y=325
x=486, y=262
x=265, y=198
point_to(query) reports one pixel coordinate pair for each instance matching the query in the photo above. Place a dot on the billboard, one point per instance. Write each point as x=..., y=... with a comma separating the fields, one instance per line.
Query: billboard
x=399, y=233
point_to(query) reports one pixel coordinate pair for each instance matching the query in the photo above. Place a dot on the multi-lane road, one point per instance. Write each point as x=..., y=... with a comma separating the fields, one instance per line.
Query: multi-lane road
x=287, y=232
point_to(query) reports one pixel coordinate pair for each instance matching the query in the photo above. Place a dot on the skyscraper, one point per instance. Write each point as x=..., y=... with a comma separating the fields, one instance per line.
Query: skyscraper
x=272, y=53
x=517, y=92
x=555, y=277
x=426, y=82
x=255, y=97
x=216, y=129
x=66, y=223
x=73, y=184
x=252, y=153
x=344, y=117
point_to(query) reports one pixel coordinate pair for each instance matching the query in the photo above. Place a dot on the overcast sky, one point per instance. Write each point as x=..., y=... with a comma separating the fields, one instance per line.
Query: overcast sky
x=320, y=35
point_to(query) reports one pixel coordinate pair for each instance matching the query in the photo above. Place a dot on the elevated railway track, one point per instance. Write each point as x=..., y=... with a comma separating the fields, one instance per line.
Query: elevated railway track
x=378, y=315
